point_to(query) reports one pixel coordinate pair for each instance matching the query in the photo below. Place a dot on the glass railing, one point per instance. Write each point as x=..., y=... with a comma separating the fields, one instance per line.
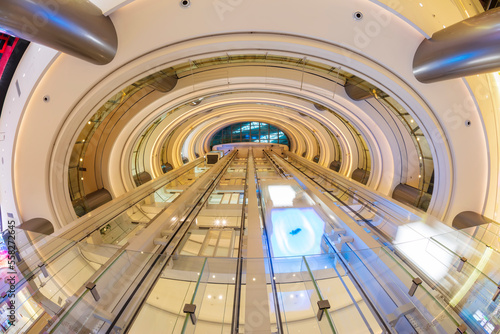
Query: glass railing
x=465, y=286
x=400, y=229
x=387, y=284
x=315, y=293
x=413, y=244
x=51, y=271
x=217, y=229
x=34, y=249
x=298, y=294
x=117, y=226
x=488, y=234
x=132, y=274
x=370, y=287
x=55, y=270
x=363, y=207
x=127, y=224
x=92, y=310
x=474, y=252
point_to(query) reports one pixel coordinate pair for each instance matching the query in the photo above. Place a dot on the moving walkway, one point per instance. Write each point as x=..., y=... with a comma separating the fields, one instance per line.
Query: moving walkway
x=53, y=269
x=265, y=243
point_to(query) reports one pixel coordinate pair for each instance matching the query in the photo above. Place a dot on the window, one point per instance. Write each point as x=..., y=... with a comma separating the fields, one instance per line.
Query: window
x=255, y=132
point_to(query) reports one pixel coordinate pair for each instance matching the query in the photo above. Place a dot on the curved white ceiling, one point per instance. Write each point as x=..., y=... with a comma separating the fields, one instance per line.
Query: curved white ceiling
x=46, y=130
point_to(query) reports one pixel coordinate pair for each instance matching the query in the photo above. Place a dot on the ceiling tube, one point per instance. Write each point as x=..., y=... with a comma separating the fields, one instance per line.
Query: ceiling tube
x=75, y=27
x=469, y=47
x=468, y=219
x=355, y=92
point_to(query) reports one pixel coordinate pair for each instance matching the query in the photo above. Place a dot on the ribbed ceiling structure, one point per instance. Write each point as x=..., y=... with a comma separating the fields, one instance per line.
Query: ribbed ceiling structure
x=166, y=94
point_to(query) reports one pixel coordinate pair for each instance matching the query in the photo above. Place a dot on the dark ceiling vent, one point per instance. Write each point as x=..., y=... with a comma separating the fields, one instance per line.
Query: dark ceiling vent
x=320, y=107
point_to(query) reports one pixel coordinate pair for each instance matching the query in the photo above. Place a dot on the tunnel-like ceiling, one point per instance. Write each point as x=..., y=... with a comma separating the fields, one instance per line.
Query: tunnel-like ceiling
x=161, y=100
x=346, y=133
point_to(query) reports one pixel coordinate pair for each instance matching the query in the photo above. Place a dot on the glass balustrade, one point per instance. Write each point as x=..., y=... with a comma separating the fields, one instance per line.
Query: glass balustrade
x=369, y=286
x=50, y=272
x=416, y=281
x=132, y=217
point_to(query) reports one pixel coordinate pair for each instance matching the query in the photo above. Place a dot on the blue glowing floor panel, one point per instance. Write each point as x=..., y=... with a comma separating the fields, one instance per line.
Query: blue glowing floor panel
x=296, y=232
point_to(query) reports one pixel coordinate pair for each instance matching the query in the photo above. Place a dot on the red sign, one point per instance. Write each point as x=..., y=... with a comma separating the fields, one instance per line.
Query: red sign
x=3, y=45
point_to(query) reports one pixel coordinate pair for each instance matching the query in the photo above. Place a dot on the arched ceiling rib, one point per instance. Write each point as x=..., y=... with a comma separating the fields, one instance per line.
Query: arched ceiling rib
x=322, y=130
x=310, y=86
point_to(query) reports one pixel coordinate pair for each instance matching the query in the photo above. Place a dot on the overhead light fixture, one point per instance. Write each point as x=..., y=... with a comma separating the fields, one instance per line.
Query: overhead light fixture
x=196, y=102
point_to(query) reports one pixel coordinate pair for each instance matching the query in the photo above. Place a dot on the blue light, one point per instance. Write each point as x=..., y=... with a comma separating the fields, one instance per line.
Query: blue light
x=296, y=232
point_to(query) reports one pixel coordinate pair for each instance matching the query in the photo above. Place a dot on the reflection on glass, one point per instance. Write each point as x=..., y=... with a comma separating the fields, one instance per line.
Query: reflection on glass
x=256, y=132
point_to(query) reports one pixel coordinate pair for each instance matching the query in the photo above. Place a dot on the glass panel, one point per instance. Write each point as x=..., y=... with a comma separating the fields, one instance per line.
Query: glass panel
x=248, y=132
x=315, y=297
x=215, y=199
x=236, y=137
x=282, y=138
x=294, y=294
x=210, y=243
x=86, y=312
x=255, y=132
x=264, y=133
x=214, y=298
x=194, y=242
x=345, y=300
x=245, y=132
x=234, y=198
x=225, y=239
x=226, y=135
x=164, y=306
x=225, y=199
